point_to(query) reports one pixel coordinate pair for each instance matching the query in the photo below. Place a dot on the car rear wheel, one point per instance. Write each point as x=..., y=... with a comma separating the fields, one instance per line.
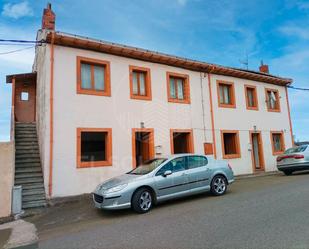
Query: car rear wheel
x=288, y=172
x=142, y=201
x=218, y=185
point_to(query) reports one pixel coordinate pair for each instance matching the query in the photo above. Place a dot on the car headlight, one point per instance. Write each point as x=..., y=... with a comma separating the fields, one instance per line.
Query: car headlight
x=115, y=189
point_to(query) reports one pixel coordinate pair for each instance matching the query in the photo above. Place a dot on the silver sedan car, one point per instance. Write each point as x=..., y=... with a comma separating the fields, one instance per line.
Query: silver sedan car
x=294, y=159
x=163, y=179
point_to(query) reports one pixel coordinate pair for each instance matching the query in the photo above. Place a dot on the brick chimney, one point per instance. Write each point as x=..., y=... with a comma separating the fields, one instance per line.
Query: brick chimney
x=48, y=19
x=264, y=68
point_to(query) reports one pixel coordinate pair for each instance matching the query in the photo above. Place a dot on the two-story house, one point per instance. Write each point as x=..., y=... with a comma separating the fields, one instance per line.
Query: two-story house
x=91, y=110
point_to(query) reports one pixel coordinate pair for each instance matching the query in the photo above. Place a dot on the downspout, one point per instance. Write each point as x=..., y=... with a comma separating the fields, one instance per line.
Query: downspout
x=289, y=114
x=203, y=109
x=212, y=115
x=51, y=117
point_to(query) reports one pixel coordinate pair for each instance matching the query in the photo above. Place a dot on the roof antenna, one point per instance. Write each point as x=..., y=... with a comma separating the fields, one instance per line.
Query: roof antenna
x=245, y=62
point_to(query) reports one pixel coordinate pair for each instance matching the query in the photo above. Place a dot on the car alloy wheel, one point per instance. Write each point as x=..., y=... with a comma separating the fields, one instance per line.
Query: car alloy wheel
x=218, y=185
x=145, y=201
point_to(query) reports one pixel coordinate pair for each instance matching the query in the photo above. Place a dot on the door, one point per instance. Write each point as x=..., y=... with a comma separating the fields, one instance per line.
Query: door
x=25, y=94
x=174, y=184
x=142, y=145
x=257, y=151
x=198, y=172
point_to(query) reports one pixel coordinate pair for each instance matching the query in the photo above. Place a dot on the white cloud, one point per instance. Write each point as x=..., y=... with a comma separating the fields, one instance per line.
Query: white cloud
x=301, y=32
x=17, y=10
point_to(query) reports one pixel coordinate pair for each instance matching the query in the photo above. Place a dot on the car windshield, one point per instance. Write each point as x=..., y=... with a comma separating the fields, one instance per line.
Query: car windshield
x=147, y=167
x=296, y=149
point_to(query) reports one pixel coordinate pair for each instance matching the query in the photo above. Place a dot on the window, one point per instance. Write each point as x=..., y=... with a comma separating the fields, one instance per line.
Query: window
x=178, y=164
x=94, y=147
x=93, y=77
x=277, y=141
x=208, y=149
x=196, y=162
x=251, y=97
x=24, y=96
x=230, y=144
x=226, y=94
x=272, y=100
x=178, y=89
x=140, y=83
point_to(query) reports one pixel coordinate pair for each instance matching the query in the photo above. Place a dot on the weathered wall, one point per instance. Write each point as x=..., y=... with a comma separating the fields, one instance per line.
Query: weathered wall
x=7, y=177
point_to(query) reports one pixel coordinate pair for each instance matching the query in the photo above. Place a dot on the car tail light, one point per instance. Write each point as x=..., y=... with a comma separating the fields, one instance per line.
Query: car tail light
x=299, y=157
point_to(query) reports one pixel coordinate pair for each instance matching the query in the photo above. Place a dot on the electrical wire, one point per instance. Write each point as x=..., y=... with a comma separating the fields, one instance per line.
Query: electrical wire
x=298, y=88
x=21, y=41
x=17, y=50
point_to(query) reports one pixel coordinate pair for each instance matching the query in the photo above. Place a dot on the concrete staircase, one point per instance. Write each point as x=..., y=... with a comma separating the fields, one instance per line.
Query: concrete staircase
x=28, y=170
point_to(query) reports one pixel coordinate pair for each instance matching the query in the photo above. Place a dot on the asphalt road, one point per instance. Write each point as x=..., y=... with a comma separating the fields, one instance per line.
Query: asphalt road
x=262, y=212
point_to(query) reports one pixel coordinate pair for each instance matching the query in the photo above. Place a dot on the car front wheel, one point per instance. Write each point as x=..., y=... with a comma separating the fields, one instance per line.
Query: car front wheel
x=288, y=172
x=142, y=201
x=218, y=185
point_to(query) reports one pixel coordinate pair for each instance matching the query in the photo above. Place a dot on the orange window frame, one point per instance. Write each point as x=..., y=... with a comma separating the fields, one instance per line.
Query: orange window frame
x=255, y=98
x=108, y=148
x=281, y=133
x=145, y=70
x=231, y=92
x=92, y=63
x=186, y=88
x=191, y=140
x=237, y=144
x=277, y=109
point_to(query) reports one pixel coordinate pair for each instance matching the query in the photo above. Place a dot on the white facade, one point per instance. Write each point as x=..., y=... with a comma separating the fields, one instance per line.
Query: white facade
x=121, y=113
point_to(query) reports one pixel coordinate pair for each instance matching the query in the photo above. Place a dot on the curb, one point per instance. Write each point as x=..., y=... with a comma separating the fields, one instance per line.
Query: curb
x=255, y=175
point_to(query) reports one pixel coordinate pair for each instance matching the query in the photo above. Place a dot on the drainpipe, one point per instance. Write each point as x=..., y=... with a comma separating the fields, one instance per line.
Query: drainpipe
x=212, y=114
x=203, y=109
x=51, y=117
x=289, y=115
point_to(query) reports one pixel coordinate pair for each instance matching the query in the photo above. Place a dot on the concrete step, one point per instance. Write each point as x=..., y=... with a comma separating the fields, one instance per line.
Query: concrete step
x=34, y=204
x=26, y=140
x=27, y=156
x=26, y=136
x=21, y=181
x=26, y=146
x=28, y=192
x=25, y=160
x=28, y=175
x=37, y=197
x=21, y=124
x=21, y=165
x=25, y=131
x=28, y=170
x=26, y=152
x=32, y=186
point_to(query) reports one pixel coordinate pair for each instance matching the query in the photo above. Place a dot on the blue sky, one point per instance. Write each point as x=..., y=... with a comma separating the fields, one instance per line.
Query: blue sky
x=221, y=31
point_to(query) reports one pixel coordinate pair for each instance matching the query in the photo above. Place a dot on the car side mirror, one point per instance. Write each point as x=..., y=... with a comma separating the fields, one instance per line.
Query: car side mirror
x=167, y=172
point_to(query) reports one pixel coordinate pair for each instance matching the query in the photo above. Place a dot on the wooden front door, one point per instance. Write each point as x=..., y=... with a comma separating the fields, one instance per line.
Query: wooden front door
x=25, y=94
x=257, y=151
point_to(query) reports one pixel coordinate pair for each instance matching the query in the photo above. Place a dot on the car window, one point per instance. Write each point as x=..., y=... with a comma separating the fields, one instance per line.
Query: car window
x=297, y=149
x=196, y=161
x=164, y=168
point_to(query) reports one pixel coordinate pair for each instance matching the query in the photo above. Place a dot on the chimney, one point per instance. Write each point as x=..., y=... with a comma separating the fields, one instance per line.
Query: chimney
x=264, y=68
x=48, y=19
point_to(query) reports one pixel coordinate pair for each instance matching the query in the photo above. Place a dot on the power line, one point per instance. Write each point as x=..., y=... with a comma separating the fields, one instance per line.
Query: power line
x=17, y=50
x=21, y=41
x=298, y=88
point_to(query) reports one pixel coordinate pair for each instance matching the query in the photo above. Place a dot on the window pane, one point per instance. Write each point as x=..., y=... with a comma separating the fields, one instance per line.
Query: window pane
x=277, y=142
x=272, y=100
x=226, y=93
x=180, y=90
x=221, y=95
x=142, y=90
x=250, y=93
x=93, y=146
x=135, y=84
x=99, y=73
x=230, y=145
x=86, y=76
x=196, y=161
x=178, y=164
x=172, y=88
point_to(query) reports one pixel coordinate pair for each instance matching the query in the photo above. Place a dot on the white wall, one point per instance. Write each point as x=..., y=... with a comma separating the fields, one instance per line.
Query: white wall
x=121, y=113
